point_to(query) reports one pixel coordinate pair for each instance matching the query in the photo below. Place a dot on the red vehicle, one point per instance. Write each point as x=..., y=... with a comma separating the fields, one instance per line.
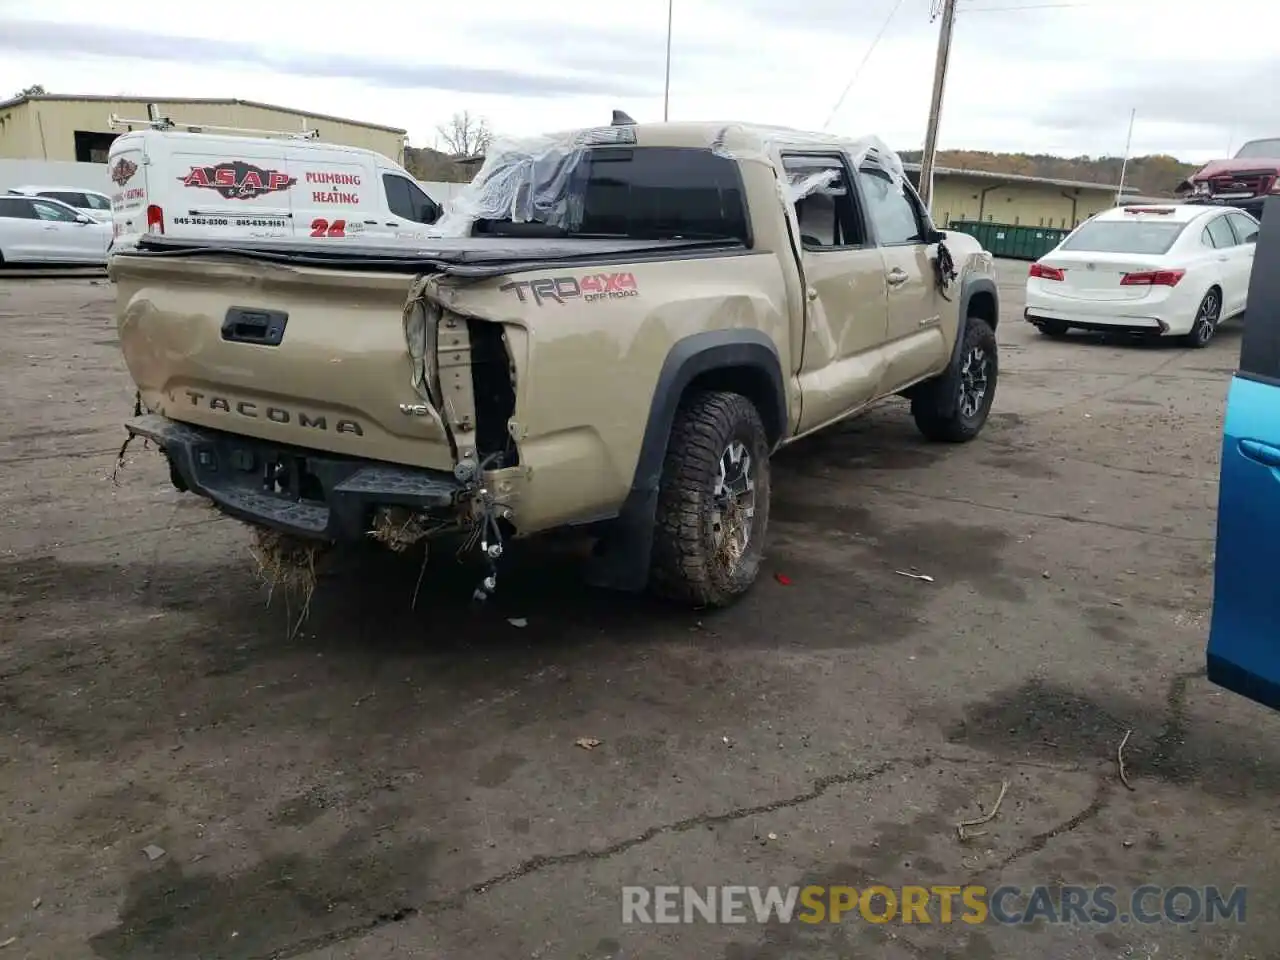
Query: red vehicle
x=1244, y=181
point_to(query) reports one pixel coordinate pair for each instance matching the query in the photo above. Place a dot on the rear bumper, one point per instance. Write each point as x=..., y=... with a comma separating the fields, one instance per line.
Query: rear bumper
x=1117, y=323
x=318, y=497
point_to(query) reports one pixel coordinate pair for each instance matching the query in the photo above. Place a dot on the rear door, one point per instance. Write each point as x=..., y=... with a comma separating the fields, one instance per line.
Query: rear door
x=1244, y=641
x=21, y=234
x=844, y=274
x=127, y=170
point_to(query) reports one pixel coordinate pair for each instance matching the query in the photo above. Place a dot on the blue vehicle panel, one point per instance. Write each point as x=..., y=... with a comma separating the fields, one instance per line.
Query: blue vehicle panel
x=1244, y=636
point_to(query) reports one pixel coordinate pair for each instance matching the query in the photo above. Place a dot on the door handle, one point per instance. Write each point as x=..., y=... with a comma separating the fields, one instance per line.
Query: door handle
x=1223, y=258
x=1263, y=453
x=896, y=277
x=811, y=293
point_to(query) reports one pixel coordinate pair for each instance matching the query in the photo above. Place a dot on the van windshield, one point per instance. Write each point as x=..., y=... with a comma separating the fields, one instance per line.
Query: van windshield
x=643, y=193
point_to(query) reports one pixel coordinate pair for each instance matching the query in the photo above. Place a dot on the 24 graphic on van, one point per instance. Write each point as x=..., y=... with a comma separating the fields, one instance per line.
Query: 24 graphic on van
x=320, y=227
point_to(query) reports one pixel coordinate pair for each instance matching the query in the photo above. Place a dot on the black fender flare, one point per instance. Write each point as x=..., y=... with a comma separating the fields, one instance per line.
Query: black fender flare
x=950, y=379
x=623, y=562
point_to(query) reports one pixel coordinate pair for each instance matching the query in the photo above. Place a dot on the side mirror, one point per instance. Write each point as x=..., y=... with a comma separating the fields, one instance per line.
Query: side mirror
x=83, y=218
x=934, y=236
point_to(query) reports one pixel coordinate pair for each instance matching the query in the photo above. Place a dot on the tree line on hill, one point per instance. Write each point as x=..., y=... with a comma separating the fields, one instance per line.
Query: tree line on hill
x=1156, y=175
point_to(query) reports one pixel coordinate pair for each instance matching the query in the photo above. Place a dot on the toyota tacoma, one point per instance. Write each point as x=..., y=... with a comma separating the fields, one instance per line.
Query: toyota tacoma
x=611, y=329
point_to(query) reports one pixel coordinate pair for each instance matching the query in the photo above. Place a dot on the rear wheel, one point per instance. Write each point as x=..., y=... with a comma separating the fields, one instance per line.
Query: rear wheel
x=1206, y=321
x=713, y=502
x=960, y=417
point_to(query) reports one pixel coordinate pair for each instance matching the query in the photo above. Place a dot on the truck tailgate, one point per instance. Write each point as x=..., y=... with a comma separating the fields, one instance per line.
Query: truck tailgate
x=285, y=353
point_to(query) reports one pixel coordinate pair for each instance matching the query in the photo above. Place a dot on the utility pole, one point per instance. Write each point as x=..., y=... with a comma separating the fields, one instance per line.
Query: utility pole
x=666, y=87
x=1124, y=164
x=935, y=106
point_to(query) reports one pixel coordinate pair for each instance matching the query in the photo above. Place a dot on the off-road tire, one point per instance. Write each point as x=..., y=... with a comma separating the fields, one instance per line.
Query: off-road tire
x=686, y=564
x=1057, y=329
x=1208, y=316
x=930, y=402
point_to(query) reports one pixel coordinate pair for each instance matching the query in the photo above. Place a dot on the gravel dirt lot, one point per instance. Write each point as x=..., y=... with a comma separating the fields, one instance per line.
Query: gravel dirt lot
x=396, y=783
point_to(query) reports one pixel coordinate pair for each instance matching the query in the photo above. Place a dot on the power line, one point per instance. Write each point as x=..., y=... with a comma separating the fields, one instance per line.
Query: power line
x=857, y=73
x=1028, y=6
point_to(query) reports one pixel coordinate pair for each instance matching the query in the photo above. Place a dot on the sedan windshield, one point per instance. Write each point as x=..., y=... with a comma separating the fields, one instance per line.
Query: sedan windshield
x=1260, y=150
x=1119, y=236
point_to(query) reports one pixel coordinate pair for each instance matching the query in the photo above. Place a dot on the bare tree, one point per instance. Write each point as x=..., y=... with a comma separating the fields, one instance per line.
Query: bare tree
x=465, y=135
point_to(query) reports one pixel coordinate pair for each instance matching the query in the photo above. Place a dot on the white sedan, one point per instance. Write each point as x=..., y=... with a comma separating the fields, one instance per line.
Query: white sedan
x=39, y=230
x=1176, y=270
x=89, y=202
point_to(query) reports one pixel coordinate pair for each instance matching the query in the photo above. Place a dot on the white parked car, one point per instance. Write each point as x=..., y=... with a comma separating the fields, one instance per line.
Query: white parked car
x=1175, y=270
x=91, y=202
x=39, y=230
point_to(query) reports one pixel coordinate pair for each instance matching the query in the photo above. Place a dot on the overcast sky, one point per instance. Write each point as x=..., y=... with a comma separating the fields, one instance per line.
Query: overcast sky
x=1044, y=76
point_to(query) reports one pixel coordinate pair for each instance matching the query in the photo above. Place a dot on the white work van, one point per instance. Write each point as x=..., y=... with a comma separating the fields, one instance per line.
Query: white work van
x=216, y=185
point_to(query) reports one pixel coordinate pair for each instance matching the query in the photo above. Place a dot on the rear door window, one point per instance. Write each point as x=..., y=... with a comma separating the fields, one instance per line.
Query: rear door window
x=1220, y=230
x=12, y=208
x=76, y=200
x=826, y=206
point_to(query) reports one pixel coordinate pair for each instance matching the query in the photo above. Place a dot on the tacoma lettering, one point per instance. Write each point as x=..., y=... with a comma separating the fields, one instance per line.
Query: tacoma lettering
x=249, y=409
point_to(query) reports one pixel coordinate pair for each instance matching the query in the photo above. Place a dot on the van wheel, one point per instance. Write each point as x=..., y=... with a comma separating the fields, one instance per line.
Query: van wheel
x=959, y=418
x=713, y=502
x=1206, y=321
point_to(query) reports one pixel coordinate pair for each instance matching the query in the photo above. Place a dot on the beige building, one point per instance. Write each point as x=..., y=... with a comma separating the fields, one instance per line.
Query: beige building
x=1013, y=199
x=49, y=127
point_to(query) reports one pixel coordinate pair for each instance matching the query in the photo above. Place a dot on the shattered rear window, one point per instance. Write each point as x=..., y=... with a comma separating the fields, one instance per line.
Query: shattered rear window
x=642, y=193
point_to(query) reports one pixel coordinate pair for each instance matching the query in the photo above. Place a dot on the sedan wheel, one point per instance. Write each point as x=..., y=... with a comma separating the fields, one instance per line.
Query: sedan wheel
x=1206, y=321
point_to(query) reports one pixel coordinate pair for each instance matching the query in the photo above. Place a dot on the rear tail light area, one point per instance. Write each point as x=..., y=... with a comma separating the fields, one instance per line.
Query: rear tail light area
x=1040, y=271
x=155, y=219
x=1153, y=278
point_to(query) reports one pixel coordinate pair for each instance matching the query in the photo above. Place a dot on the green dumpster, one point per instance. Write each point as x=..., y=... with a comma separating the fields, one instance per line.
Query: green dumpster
x=1014, y=241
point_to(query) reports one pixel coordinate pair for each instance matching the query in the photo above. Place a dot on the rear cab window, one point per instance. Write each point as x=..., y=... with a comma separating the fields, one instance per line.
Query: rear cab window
x=642, y=193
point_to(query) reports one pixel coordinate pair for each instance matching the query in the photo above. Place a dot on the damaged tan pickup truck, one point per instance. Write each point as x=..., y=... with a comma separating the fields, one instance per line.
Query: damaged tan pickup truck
x=613, y=329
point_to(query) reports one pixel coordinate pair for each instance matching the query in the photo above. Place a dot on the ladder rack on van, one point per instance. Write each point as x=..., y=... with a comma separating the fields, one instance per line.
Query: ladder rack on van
x=158, y=122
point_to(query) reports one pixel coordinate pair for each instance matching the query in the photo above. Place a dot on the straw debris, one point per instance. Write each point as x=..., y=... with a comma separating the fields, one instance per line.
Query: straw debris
x=287, y=564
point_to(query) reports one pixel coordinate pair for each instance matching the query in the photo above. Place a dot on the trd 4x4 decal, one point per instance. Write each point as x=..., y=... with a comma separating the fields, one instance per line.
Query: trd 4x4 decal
x=591, y=288
x=237, y=180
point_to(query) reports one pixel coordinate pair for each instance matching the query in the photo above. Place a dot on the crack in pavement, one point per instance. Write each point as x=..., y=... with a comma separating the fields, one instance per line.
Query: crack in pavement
x=541, y=862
